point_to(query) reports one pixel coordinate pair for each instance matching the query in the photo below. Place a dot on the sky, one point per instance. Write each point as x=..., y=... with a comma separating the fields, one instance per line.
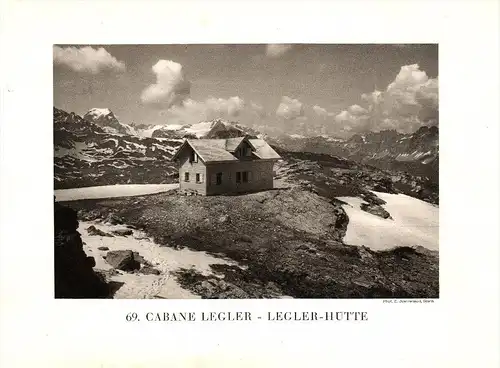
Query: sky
x=295, y=88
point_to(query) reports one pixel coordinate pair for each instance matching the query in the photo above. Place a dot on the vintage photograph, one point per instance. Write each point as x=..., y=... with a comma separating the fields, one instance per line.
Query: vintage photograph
x=245, y=171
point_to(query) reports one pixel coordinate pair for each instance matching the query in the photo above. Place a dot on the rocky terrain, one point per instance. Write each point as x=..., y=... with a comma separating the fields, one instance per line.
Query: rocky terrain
x=85, y=154
x=286, y=242
x=332, y=177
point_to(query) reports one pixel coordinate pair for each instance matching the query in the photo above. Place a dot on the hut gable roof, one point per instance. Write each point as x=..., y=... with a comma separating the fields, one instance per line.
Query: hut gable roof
x=221, y=150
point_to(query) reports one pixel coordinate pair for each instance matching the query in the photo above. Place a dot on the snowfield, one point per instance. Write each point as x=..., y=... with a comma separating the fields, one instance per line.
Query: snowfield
x=200, y=129
x=111, y=191
x=164, y=259
x=414, y=222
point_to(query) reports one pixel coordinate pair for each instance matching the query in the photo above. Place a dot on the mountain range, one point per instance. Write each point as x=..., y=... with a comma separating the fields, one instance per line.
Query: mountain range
x=416, y=153
x=97, y=149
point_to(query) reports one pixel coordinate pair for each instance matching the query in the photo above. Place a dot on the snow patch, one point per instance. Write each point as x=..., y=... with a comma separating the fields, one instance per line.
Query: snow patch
x=172, y=127
x=111, y=139
x=415, y=222
x=200, y=129
x=78, y=152
x=111, y=191
x=165, y=259
x=99, y=111
x=148, y=132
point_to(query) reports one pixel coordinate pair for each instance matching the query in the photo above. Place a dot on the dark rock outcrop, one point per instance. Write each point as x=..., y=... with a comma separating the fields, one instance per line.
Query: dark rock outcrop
x=376, y=210
x=122, y=232
x=210, y=287
x=74, y=274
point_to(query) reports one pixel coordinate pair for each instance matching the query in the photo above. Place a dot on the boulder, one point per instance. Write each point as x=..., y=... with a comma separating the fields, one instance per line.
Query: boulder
x=103, y=248
x=92, y=230
x=123, y=232
x=122, y=259
x=107, y=273
x=114, y=219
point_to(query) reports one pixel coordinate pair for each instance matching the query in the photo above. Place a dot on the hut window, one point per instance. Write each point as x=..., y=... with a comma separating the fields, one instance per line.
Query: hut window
x=194, y=157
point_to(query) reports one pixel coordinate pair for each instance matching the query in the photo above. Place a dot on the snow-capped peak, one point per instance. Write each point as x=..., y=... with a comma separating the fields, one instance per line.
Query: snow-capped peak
x=99, y=112
x=105, y=118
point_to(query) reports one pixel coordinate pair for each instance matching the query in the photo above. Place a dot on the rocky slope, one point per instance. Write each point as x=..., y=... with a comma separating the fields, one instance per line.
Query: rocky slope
x=99, y=150
x=331, y=177
x=85, y=154
x=108, y=121
x=285, y=241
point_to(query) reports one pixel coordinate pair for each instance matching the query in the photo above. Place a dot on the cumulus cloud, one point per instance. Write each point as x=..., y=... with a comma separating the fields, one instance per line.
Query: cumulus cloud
x=191, y=111
x=409, y=102
x=290, y=108
x=276, y=50
x=171, y=87
x=357, y=110
x=319, y=110
x=86, y=59
x=230, y=107
x=322, y=112
x=349, y=121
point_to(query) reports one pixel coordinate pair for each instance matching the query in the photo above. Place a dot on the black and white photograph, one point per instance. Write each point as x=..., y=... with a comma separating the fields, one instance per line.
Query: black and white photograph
x=255, y=184
x=246, y=171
